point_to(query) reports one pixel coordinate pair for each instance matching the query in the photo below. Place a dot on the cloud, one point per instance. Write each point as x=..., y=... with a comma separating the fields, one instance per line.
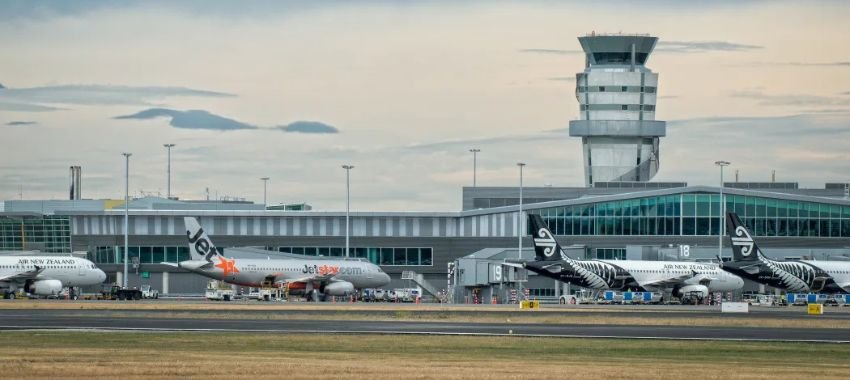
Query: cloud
x=702, y=46
x=809, y=148
x=566, y=79
x=94, y=94
x=463, y=144
x=837, y=64
x=22, y=107
x=668, y=47
x=192, y=119
x=551, y=51
x=840, y=63
x=314, y=127
x=755, y=127
x=791, y=99
x=818, y=64
x=828, y=110
x=20, y=123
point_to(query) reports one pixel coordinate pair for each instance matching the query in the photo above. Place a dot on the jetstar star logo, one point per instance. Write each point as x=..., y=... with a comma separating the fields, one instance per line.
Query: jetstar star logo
x=228, y=266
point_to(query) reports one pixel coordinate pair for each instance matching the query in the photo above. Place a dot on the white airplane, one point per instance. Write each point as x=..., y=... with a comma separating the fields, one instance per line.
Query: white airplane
x=684, y=278
x=46, y=275
x=311, y=277
x=794, y=276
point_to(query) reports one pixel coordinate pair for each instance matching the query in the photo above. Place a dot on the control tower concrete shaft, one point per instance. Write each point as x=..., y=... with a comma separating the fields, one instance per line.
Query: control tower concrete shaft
x=616, y=95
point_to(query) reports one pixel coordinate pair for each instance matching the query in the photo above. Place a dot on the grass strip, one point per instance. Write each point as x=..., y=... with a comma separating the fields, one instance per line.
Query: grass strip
x=230, y=355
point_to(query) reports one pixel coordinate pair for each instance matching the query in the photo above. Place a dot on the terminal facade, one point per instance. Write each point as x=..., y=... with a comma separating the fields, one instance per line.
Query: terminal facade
x=605, y=222
x=617, y=215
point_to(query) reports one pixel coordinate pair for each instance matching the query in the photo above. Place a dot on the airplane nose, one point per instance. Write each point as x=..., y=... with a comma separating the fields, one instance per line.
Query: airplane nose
x=101, y=275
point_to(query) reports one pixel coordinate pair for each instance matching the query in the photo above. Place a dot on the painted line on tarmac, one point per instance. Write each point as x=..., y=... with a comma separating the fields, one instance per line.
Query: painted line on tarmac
x=435, y=333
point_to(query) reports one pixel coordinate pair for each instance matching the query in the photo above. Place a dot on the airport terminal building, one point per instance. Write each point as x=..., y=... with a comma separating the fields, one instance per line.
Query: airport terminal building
x=648, y=221
x=619, y=214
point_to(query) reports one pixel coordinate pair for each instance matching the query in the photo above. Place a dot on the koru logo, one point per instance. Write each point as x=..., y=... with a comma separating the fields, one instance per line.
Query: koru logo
x=743, y=240
x=546, y=241
x=202, y=246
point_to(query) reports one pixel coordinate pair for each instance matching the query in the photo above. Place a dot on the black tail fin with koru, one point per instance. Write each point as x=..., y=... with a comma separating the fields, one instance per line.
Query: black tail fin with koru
x=744, y=248
x=545, y=246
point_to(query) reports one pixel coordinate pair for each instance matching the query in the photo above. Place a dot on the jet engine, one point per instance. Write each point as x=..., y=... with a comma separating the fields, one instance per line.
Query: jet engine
x=46, y=287
x=339, y=288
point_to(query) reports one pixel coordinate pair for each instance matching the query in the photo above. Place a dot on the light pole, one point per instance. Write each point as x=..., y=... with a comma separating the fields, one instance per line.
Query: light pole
x=519, y=228
x=474, y=166
x=519, y=221
x=721, y=164
x=169, y=146
x=347, y=201
x=126, y=211
x=265, y=187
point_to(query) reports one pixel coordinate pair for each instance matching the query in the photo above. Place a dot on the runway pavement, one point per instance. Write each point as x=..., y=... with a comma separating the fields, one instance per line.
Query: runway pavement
x=100, y=320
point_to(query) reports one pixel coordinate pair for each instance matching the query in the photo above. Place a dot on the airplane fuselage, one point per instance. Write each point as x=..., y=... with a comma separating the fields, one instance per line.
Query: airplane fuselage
x=254, y=272
x=795, y=276
x=71, y=271
x=631, y=274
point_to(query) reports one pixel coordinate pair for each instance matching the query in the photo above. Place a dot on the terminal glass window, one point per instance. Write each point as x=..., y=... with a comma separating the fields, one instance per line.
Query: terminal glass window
x=406, y=256
x=698, y=214
x=43, y=233
x=541, y=292
x=145, y=254
x=611, y=253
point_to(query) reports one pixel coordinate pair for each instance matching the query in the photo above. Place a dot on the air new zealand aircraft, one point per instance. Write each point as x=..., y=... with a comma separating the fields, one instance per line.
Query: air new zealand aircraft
x=793, y=276
x=681, y=276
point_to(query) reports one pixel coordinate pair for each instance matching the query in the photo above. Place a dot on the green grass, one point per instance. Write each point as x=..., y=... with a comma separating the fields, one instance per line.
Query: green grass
x=469, y=347
x=238, y=355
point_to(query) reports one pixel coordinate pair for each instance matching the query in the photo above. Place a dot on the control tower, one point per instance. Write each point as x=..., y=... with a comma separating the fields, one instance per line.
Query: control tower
x=616, y=95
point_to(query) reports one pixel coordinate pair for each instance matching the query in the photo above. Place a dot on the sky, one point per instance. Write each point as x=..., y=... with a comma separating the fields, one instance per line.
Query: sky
x=402, y=91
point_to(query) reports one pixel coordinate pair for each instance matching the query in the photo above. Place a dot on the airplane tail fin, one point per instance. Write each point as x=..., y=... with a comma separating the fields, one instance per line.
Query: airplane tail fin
x=200, y=245
x=545, y=246
x=744, y=248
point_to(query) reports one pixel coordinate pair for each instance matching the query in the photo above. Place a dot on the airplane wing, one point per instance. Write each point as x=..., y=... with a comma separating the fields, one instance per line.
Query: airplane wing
x=170, y=264
x=667, y=282
x=551, y=266
x=23, y=276
x=313, y=278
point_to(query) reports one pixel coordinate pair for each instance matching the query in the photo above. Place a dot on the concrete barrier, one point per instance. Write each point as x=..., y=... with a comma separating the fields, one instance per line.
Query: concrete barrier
x=734, y=307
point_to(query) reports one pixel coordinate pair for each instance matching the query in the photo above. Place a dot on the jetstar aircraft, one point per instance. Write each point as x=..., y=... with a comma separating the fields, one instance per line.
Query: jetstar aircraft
x=684, y=278
x=793, y=276
x=46, y=275
x=311, y=277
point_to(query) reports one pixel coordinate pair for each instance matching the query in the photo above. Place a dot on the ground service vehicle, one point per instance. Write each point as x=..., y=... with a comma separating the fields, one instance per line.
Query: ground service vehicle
x=121, y=294
x=149, y=293
x=568, y=300
x=219, y=291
